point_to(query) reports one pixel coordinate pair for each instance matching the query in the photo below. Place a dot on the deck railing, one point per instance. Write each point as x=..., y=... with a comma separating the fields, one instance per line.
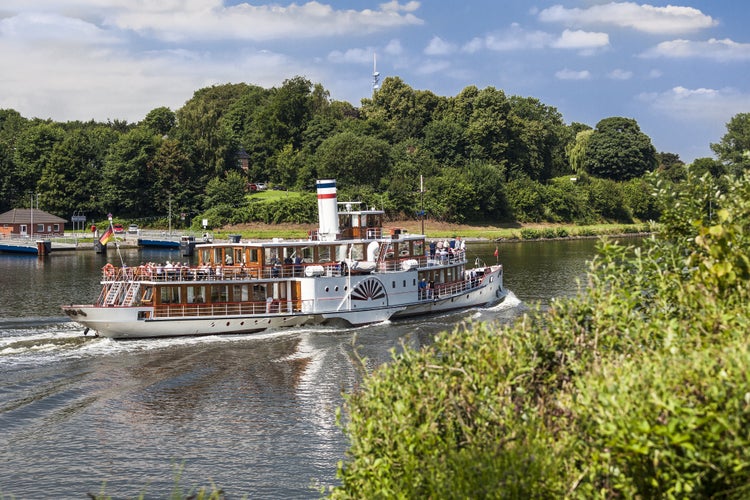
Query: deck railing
x=234, y=273
x=227, y=309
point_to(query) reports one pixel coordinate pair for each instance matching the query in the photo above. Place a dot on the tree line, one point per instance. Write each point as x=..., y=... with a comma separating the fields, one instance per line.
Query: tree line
x=484, y=156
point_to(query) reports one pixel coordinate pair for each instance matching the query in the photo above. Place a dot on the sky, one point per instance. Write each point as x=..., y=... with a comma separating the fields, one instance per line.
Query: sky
x=681, y=69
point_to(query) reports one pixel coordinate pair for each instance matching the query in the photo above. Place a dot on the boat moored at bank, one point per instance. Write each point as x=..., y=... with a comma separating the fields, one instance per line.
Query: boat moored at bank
x=350, y=271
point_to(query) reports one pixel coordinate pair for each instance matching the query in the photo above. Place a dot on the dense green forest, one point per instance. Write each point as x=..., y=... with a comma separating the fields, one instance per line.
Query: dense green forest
x=484, y=157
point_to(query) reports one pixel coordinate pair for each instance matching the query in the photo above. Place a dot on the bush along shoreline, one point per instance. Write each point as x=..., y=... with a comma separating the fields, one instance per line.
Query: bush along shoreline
x=577, y=232
x=638, y=387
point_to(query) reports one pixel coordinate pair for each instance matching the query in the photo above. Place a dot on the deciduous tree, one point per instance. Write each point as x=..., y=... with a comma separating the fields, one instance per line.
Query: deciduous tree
x=618, y=150
x=734, y=148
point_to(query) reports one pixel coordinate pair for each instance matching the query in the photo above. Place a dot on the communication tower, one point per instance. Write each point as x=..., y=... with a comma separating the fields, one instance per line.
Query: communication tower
x=375, y=74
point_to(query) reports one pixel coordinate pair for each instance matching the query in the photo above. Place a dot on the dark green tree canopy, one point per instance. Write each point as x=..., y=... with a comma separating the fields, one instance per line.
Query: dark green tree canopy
x=160, y=120
x=618, y=150
x=353, y=159
x=470, y=147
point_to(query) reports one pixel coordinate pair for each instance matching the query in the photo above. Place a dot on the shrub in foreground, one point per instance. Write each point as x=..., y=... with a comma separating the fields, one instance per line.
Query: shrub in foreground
x=637, y=387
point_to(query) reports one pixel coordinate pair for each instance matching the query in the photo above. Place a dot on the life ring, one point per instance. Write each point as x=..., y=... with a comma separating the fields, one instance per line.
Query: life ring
x=109, y=270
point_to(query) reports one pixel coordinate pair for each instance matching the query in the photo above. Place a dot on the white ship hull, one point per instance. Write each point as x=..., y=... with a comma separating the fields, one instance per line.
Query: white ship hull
x=124, y=322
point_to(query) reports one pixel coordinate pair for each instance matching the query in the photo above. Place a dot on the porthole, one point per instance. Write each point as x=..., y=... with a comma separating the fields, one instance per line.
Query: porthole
x=336, y=289
x=327, y=289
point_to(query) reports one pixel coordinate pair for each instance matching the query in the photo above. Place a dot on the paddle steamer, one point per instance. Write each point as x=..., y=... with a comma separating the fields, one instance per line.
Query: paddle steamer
x=349, y=271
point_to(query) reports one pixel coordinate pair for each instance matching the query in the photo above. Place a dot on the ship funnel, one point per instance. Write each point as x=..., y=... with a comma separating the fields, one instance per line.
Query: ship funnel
x=328, y=215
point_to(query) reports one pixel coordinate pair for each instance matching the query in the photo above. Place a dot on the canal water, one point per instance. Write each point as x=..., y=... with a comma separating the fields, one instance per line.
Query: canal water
x=252, y=414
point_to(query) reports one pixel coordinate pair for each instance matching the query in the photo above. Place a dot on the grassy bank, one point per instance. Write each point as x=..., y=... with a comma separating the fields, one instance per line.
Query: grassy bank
x=442, y=230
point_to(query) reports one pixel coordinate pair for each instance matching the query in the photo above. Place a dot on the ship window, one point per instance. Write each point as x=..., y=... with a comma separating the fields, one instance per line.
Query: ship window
x=219, y=293
x=205, y=255
x=393, y=284
x=195, y=294
x=170, y=294
x=272, y=256
x=342, y=252
x=336, y=289
x=418, y=248
x=358, y=252
x=238, y=257
x=259, y=292
x=240, y=293
x=327, y=289
x=404, y=285
x=253, y=254
x=324, y=254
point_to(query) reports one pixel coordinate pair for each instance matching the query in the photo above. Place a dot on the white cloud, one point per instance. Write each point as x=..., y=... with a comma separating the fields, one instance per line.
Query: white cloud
x=581, y=40
x=394, y=48
x=351, y=56
x=724, y=50
x=512, y=39
x=35, y=27
x=516, y=38
x=431, y=67
x=655, y=73
x=646, y=18
x=569, y=74
x=393, y=5
x=101, y=84
x=474, y=45
x=439, y=47
x=210, y=20
x=620, y=74
x=204, y=20
x=716, y=105
x=85, y=59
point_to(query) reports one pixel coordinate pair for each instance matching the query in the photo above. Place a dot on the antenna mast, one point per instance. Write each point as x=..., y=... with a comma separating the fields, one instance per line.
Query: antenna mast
x=375, y=74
